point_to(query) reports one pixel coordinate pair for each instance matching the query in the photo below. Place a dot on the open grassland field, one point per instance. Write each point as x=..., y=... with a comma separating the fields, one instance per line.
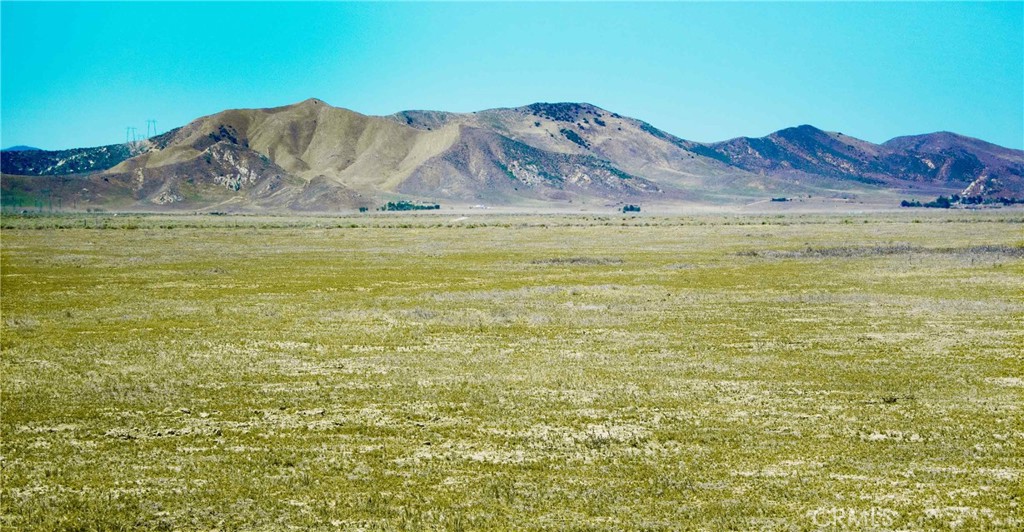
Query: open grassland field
x=513, y=372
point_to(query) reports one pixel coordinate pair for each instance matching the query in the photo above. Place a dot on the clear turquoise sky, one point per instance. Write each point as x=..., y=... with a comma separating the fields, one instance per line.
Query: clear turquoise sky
x=77, y=74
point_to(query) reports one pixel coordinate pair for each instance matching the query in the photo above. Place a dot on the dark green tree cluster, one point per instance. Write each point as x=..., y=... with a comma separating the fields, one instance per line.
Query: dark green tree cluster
x=409, y=206
x=573, y=136
x=943, y=202
x=631, y=208
x=559, y=112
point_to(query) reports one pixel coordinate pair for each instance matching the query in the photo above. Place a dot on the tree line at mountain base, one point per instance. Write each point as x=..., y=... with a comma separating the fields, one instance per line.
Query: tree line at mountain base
x=944, y=202
x=408, y=206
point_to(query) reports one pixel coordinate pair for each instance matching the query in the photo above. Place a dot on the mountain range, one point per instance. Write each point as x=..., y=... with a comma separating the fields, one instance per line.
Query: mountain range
x=311, y=156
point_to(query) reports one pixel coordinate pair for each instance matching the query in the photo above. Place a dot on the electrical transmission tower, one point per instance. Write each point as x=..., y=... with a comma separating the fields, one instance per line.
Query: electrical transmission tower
x=135, y=142
x=131, y=138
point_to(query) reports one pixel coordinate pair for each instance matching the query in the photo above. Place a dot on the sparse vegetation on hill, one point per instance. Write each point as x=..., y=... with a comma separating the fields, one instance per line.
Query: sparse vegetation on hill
x=35, y=162
x=63, y=162
x=654, y=131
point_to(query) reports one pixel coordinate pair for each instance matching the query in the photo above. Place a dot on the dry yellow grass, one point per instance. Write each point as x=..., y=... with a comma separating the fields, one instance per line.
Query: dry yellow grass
x=512, y=372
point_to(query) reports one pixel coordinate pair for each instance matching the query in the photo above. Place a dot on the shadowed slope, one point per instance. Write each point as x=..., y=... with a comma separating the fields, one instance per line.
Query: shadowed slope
x=937, y=159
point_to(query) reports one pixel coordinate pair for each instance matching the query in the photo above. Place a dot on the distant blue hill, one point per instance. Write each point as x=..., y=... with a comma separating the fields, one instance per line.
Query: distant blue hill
x=21, y=148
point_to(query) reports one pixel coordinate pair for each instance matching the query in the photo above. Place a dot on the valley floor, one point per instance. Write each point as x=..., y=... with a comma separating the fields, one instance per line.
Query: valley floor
x=793, y=371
